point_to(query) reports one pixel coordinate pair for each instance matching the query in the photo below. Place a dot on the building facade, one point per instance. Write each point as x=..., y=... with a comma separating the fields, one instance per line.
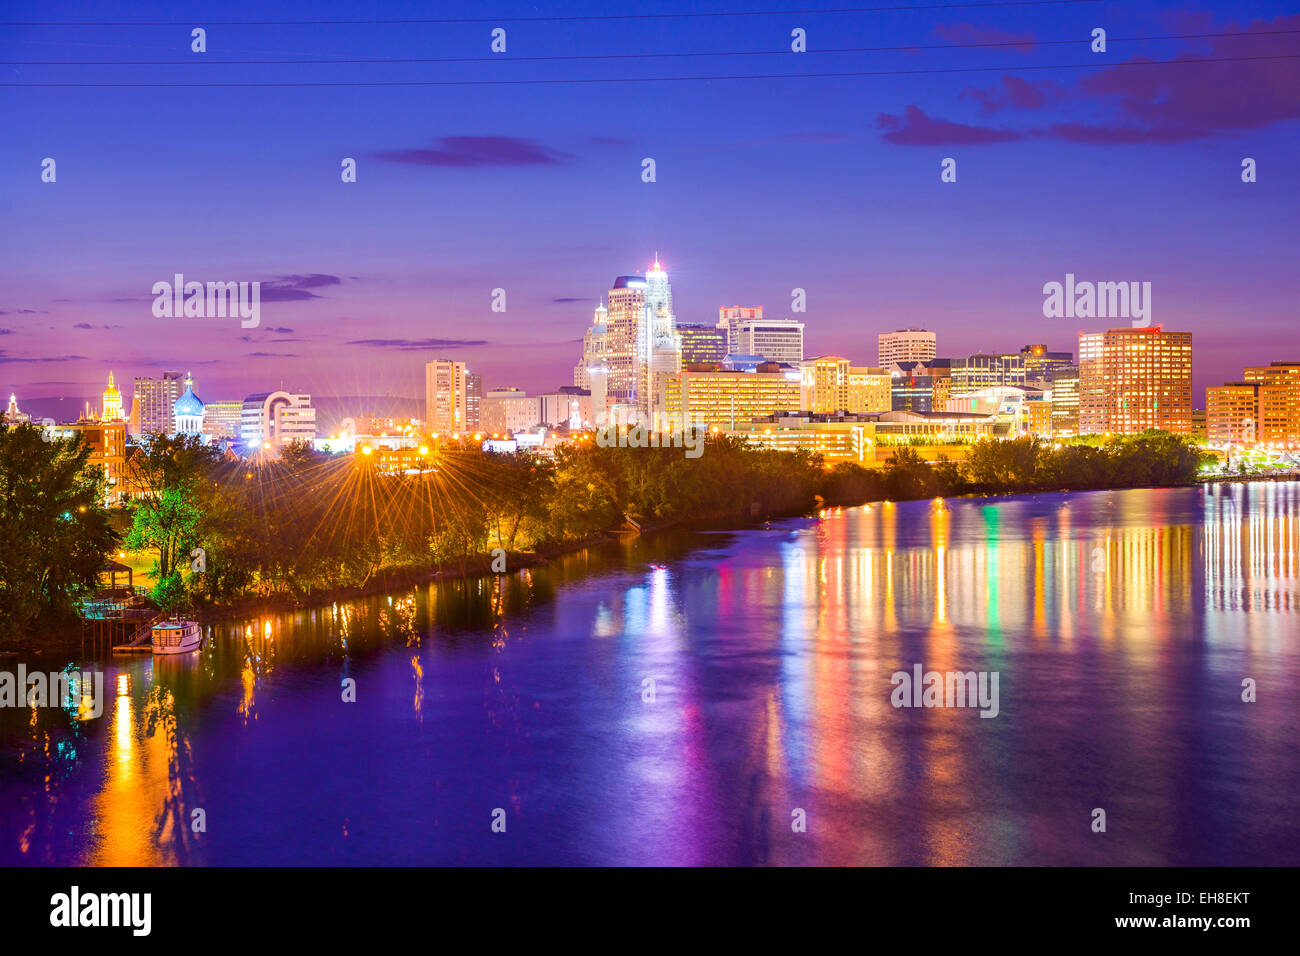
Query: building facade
x=1132, y=379
x=152, y=401
x=905, y=345
x=446, y=396
x=271, y=420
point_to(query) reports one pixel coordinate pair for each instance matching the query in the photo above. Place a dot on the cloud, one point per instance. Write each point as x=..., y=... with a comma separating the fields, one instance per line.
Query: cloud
x=478, y=151
x=83, y=325
x=271, y=355
x=970, y=33
x=569, y=298
x=1173, y=100
x=24, y=312
x=280, y=331
x=408, y=345
x=7, y=359
x=296, y=288
x=915, y=128
x=6, y=331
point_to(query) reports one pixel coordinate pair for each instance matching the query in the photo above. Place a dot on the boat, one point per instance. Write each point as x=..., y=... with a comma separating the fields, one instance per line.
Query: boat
x=176, y=637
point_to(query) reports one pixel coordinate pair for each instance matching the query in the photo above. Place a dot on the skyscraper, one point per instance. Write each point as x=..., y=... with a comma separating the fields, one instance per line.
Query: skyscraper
x=1132, y=379
x=702, y=344
x=473, y=401
x=658, y=346
x=1279, y=402
x=152, y=402
x=905, y=345
x=446, y=396
x=623, y=318
x=776, y=340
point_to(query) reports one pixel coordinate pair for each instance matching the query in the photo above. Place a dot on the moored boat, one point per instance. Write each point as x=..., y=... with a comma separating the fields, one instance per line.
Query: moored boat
x=176, y=637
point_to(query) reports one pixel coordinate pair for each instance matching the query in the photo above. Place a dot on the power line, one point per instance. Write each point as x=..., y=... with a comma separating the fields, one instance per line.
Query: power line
x=204, y=61
x=676, y=79
x=555, y=19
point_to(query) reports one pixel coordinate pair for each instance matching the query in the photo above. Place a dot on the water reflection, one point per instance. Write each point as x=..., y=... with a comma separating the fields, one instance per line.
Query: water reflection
x=683, y=699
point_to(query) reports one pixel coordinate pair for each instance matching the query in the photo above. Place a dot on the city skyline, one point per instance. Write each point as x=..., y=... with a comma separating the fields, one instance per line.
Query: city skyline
x=516, y=187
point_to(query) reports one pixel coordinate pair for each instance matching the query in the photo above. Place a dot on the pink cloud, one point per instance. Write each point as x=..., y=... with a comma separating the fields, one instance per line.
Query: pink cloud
x=915, y=128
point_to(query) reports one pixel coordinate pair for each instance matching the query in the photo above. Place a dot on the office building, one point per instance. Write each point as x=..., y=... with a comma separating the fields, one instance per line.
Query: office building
x=729, y=319
x=446, y=397
x=695, y=396
x=702, y=344
x=152, y=401
x=905, y=345
x=776, y=340
x=222, y=420
x=508, y=410
x=272, y=420
x=1279, y=413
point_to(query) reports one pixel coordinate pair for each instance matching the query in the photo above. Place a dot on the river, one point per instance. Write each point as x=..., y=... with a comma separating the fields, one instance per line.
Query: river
x=725, y=698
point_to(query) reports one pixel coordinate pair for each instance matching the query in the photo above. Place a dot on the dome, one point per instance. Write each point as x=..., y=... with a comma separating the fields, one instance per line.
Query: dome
x=188, y=405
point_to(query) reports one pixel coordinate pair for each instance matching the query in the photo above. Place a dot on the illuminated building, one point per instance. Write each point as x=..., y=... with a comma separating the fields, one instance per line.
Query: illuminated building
x=568, y=407
x=473, y=401
x=1132, y=379
x=107, y=441
x=112, y=403
x=1021, y=409
x=703, y=395
x=1232, y=413
x=824, y=384
x=1039, y=363
x=658, y=346
x=729, y=319
x=777, y=340
x=446, y=396
x=593, y=349
x=1279, y=413
x=835, y=437
x=623, y=318
x=1064, y=382
x=702, y=344
x=152, y=402
x=905, y=345
x=983, y=370
x=509, y=410
x=187, y=413
x=222, y=420
x=12, y=415
x=276, y=419
x=870, y=390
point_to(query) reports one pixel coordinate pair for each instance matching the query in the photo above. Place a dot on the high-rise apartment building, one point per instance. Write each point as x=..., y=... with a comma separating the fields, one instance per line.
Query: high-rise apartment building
x=446, y=397
x=1132, y=379
x=905, y=345
x=473, y=401
x=152, y=402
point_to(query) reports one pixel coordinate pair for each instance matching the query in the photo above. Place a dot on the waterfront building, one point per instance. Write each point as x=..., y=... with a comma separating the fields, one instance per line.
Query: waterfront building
x=905, y=345
x=1232, y=413
x=1064, y=383
x=1279, y=413
x=1132, y=379
x=107, y=441
x=1020, y=409
x=271, y=420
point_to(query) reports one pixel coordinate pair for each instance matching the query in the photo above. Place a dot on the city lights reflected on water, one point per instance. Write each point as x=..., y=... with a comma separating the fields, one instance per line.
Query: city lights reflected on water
x=1122, y=625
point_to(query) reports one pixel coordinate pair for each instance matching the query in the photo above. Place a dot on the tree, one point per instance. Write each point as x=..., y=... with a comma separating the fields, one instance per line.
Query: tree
x=55, y=535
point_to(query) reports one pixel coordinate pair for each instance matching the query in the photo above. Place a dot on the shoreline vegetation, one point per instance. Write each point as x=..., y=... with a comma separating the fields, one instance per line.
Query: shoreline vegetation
x=230, y=538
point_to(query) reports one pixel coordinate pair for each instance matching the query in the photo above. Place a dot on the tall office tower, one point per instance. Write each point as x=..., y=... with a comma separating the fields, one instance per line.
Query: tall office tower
x=593, y=348
x=702, y=344
x=776, y=340
x=729, y=319
x=824, y=384
x=658, y=346
x=982, y=370
x=871, y=390
x=271, y=420
x=1134, y=379
x=623, y=318
x=445, y=397
x=1232, y=415
x=153, y=401
x=473, y=401
x=112, y=403
x=905, y=345
x=1039, y=363
x=1064, y=382
x=1279, y=412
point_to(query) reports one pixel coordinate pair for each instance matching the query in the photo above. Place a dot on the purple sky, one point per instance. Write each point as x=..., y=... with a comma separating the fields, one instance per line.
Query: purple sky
x=830, y=184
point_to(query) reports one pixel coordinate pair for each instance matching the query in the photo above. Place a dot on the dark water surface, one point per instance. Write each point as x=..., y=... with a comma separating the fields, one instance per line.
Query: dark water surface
x=1121, y=626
